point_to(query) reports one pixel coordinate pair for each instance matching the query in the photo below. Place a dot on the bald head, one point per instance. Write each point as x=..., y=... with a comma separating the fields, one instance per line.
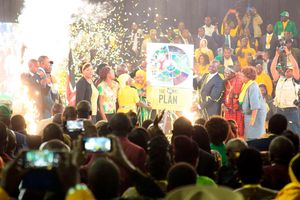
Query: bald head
x=33, y=65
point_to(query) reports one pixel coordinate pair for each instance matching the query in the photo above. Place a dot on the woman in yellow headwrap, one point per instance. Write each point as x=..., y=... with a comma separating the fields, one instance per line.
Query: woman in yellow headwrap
x=292, y=190
x=128, y=97
x=140, y=85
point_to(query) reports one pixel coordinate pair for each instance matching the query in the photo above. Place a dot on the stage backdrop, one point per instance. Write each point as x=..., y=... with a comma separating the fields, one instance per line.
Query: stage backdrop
x=170, y=76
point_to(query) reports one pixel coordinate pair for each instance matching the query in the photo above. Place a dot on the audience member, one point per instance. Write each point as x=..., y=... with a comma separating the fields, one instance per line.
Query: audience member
x=182, y=126
x=104, y=179
x=18, y=124
x=84, y=110
x=52, y=131
x=228, y=175
x=5, y=117
x=181, y=174
x=293, y=137
x=291, y=190
x=218, y=128
x=159, y=160
x=281, y=151
x=249, y=165
x=121, y=127
x=186, y=150
x=140, y=137
x=285, y=25
x=56, y=108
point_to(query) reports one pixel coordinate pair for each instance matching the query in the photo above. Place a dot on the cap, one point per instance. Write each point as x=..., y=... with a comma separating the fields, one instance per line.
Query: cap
x=5, y=111
x=203, y=192
x=284, y=14
x=289, y=67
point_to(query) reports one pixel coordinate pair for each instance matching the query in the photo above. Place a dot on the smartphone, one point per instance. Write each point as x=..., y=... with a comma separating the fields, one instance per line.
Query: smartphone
x=97, y=144
x=41, y=159
x=74, y=126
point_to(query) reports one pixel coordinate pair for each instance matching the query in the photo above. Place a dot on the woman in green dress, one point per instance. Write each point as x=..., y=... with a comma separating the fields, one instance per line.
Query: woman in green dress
x=140, y=85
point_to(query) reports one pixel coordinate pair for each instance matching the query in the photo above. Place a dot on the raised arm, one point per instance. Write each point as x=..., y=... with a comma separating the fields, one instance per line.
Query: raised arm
x=274, y=72
x=293, y=62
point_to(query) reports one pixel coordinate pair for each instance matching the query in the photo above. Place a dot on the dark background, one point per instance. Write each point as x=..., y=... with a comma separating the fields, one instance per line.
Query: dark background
x=191, y=12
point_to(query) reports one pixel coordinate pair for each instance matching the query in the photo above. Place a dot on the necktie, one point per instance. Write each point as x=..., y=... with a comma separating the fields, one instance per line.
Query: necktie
x=268, y=42
x=227, y=40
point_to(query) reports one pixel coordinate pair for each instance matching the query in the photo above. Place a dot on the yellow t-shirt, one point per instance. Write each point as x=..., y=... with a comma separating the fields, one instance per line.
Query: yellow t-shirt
x=94, y=99
x=128, y=97
x=208, y=52
x=203, y=69
x=245, y=53
x=265, y=79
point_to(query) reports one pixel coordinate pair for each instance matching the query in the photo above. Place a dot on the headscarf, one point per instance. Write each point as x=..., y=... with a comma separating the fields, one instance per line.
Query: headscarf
x=291, y=190
x=122, y=79
x=205, y=48
x=137, y=85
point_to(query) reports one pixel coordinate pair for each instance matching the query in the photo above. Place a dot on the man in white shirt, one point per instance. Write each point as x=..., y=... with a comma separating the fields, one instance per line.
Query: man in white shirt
x=286, y=92
x=209, y=28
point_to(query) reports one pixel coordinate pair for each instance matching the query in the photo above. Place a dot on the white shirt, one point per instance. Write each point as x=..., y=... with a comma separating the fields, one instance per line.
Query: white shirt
x=209, y=30
x=210, y=76
x=286, y=93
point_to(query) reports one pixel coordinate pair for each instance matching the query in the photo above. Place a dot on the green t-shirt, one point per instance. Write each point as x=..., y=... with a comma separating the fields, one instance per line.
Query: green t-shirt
x=222, y=150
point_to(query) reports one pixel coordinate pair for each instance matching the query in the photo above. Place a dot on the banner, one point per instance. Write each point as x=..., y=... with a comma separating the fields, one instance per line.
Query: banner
x=170, y=76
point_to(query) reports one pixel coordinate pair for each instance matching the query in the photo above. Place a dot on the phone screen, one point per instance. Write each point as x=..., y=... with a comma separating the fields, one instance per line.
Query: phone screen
x=41, y=159
x=75, y=126
x=97, y=144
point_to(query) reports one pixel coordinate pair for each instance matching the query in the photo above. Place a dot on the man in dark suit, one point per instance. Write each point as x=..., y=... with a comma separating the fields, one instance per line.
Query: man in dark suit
x=211, y=91
x=225, y=40
x=34, y=88
x=211, y=44
x=269, y=41
x=46, y=82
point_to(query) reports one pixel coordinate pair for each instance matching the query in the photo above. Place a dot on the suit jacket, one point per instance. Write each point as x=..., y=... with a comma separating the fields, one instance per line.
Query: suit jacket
x=34, y=89
x=220, y=40
x=83, y=90
x=211, y=93
x=273, y=44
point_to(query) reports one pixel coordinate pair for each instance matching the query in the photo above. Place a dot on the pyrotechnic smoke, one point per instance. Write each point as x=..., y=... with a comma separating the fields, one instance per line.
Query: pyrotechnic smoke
x=45, y=30
x=44, y=26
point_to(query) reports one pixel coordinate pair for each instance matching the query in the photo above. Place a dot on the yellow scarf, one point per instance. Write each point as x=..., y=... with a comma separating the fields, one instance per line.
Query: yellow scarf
x=284, y=24
x=244, y=90
x=291, y=190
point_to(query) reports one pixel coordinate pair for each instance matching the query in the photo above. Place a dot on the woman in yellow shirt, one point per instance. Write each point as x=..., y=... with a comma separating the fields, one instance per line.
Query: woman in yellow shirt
x=203, y=64
x=128, y=97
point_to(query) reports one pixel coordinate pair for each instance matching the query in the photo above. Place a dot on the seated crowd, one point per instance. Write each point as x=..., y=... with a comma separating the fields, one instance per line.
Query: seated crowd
x=205, y=160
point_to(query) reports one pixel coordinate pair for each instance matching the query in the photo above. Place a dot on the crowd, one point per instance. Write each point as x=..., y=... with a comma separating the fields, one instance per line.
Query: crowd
x=206, y=158
x=245, y=145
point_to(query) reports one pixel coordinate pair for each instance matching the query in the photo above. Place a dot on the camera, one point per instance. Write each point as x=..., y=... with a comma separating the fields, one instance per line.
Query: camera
x=97, y=144
x=297, y=101
x=281, y=45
